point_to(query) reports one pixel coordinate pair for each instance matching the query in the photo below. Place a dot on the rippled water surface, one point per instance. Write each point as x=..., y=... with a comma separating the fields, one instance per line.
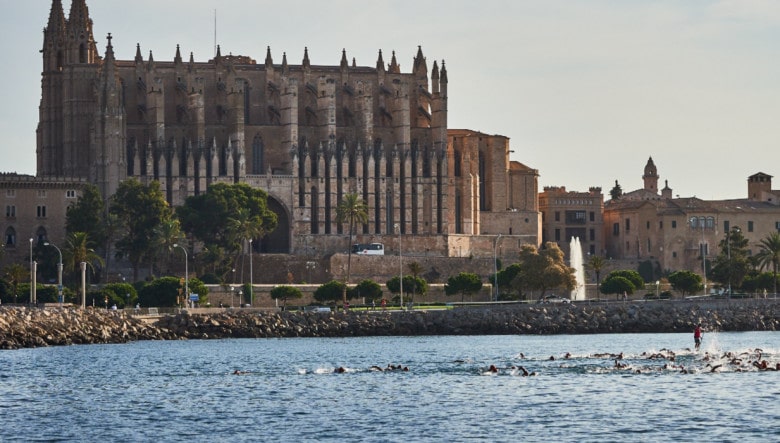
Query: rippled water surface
x=186, y=390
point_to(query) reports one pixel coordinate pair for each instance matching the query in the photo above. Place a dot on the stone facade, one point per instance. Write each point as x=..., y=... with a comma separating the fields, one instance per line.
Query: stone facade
x=567, y=214
x=675, y=232
x=306, y=134
x=33, y=208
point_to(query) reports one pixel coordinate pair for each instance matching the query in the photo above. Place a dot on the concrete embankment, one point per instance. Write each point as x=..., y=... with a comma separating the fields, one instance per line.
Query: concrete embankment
x=26, y=327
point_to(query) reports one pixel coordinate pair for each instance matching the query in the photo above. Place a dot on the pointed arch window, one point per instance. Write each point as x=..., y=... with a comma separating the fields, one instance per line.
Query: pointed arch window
x=10, y=237
x=258, y=150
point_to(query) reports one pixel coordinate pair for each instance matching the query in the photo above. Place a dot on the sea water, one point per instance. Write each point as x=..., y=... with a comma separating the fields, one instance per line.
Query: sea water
x=289, y=390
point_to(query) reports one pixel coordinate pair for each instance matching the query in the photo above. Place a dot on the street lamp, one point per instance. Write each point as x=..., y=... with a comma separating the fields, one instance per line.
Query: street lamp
x=400, y=267
x=83, y=266
x=495, y=265
x=728, y=251
x=32, y=283
x=186, y=272
x=251, y=278
x=59, y=270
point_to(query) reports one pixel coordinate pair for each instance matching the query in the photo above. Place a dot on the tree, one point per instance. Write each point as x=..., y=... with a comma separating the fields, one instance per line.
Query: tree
x=369, y=289
x=16, y=274
x=769, y=254
x=165, y=235
x=206, y=217
x=121, y=294
x=686, y=282
x=163, y=292
x=463, y=283
x=331, y=291
x=504, y=278
x=87, y=214
x=284, y=293
x=416, y=284
x=543, y=269
x=596, y=263
x=353, y=211
x=411, y=284
x=731, y=266
x=632, y=276
x=617, y=285
x=78, y=248
x=616, y=192
x=141, y=209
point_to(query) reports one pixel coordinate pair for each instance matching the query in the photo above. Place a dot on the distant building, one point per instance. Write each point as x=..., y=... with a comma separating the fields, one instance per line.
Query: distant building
x=568, y=214
x=677, y=232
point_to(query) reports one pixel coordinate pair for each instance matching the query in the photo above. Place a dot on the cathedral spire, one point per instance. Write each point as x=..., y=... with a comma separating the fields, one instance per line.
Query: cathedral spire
x=268, y=60
x=443, y=75
x=81, y=41
x=54, y=38
x=306, y=63
x=177, y=57
x=138, y=57
x=344, y=62
x=394, y=68
x=420, y=66
x=285, y=68
x=150, y=66
x=380, y=63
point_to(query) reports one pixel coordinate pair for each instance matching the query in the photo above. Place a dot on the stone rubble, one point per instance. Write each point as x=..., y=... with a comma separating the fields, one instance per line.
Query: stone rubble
x=22, y=327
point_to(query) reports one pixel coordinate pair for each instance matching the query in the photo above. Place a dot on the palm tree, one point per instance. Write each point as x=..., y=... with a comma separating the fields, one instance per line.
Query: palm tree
x=351, y=210
x=415, y=269
x=78, y=249
x=596, y=264
x=167, y=234
x=770, y=254
x=242, y=228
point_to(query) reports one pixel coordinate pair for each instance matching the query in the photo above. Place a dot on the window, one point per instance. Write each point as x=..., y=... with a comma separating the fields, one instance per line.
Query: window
x=616, y=229
x=70, y=193
x=648, y=224
x=674, y=224
x=777, y=226
x=726, y=227
x=557, y=216
x=41, y=212
x=674, y=254
x=628, y=225
x=661, y=224
x=557, y=235
x=10, y=193
x=710, y=223
x=41, y=193
x=575, y=217
x=10, y=237
x=10, y=211
x=750, y=226
x=592, y=235
x=592, y=216
x=592, y=249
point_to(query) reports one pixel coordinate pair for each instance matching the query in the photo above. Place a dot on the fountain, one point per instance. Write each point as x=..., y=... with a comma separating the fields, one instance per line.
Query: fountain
x=575, y=261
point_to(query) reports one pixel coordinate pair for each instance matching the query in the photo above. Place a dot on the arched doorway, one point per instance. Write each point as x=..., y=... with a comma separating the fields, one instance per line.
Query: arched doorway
x=278, y=241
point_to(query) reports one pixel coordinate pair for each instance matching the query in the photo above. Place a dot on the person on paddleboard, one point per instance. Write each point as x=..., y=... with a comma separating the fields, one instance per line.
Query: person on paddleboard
x=697, y=336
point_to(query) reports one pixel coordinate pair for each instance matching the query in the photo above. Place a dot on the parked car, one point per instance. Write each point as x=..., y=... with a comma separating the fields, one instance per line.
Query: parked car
x=320, y=309
x=554, y=299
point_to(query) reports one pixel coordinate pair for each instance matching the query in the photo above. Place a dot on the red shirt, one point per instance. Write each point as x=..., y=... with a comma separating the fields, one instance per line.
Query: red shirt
x=697, y=332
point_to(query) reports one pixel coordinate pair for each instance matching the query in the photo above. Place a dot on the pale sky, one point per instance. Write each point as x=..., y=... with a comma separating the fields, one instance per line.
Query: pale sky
x=586, y=90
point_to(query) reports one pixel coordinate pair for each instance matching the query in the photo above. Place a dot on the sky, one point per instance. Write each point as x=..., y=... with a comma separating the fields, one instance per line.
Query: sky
x=586, y=90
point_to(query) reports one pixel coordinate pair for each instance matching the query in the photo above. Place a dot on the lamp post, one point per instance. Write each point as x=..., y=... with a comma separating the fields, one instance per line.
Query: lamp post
x=32, y=283
x=251, y=279
x=84, y=285
x=728, y=253
x=59, y=270
x=495, y=266
x=400, y=267
x=186, y=273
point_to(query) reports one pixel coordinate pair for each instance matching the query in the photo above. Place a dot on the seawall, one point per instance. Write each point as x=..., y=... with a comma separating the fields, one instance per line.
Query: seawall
x=22, y=327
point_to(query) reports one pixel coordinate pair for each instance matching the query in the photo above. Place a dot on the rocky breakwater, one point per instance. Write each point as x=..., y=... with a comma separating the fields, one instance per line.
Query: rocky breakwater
x=26, y=327
x=22, y=327
x=525, y=319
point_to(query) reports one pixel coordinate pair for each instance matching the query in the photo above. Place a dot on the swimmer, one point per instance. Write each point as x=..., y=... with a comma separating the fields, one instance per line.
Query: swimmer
x=340, y=370
x=237, y=372
x=375, y=368
x=493, y=369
